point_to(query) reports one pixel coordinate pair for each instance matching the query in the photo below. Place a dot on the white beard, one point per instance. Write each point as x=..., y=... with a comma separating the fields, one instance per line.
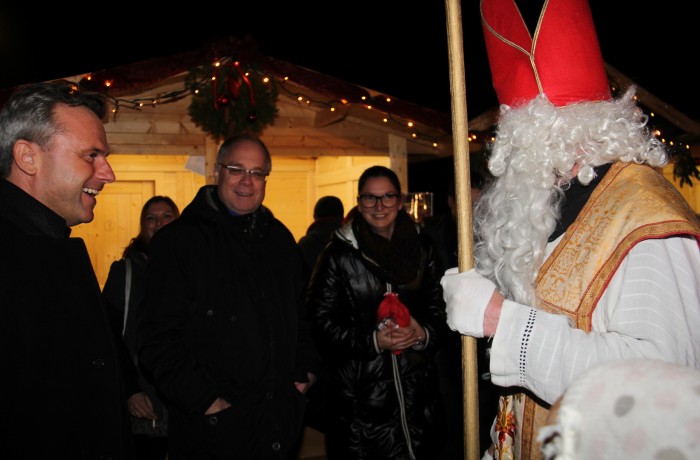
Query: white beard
x=537, y=151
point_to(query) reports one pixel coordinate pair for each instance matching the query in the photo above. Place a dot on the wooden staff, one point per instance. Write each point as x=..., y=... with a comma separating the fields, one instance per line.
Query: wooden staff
x=460, y=138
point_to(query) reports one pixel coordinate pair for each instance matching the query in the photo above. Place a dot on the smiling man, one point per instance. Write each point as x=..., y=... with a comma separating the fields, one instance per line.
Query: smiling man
x=221, y=325
x=61, y=394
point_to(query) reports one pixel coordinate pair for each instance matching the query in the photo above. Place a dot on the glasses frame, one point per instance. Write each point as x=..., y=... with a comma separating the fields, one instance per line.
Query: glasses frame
x=255, y=174
x=376, y=199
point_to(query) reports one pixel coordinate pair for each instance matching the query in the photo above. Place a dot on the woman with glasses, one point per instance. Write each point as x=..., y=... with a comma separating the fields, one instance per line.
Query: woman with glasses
x=122, y=293
x=379, y=318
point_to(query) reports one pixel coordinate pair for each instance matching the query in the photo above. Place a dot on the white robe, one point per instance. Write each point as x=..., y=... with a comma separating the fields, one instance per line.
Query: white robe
x=651, y=309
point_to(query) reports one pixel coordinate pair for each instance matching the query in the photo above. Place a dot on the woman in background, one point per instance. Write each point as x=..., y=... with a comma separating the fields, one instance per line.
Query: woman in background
x=148, y=415
x=382, y=383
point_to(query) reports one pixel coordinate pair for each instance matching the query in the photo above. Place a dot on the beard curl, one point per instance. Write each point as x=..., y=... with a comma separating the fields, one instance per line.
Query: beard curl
x=533, y=159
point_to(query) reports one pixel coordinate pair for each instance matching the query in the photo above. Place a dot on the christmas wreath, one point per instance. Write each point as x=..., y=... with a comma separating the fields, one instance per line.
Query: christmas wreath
x=228, y=100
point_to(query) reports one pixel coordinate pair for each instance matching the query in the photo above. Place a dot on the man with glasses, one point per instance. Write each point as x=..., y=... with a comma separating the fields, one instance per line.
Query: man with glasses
x=221, y=325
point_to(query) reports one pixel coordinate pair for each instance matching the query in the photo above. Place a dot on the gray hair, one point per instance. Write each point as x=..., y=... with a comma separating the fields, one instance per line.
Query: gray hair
x=29, y=114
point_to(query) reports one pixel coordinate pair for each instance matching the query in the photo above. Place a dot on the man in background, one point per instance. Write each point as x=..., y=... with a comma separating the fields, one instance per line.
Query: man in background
x=328, y=216
x=61, y=395
x=443, y=230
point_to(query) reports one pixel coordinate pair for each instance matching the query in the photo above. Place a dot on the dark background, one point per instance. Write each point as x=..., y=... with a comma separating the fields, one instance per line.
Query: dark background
x=395, y=47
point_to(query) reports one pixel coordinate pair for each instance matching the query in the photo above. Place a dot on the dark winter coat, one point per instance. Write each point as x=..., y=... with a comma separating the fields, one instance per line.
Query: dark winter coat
x=137, y=379
x=222, y=316
x=317, y=236
x=61, y=391
x=363, y=404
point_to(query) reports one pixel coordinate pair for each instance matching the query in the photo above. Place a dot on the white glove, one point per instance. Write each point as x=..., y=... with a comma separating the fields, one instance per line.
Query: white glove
x=466, y=295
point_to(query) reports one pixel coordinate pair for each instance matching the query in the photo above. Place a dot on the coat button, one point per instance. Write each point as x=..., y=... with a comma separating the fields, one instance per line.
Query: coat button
x=276, y=446
x=210, y=312
x=268, y=395
x=234, y=318
x=213, y=421
x=98, y=363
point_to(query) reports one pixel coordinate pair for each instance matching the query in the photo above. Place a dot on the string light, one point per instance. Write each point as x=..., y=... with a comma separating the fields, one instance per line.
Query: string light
x=385, y=113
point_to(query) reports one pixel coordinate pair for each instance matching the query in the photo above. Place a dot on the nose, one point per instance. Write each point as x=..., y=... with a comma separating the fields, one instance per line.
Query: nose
x=104, y=171
x=246, y=176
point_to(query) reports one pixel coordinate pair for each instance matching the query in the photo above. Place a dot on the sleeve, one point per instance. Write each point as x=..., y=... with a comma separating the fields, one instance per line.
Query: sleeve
x=341, y=330
x=307, y=355
x=431, y=311
x=113, y=297
x=650, y=310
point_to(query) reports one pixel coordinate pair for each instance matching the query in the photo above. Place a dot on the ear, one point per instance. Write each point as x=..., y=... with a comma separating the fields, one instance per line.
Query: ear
x=26, y=156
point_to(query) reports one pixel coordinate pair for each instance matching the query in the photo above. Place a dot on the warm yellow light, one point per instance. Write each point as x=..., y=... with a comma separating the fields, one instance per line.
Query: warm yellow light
x=410, y=124
x=385, y=120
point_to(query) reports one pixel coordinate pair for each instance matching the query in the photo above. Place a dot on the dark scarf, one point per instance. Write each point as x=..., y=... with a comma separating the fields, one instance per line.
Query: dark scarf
x=398, y=259
x=575, y=198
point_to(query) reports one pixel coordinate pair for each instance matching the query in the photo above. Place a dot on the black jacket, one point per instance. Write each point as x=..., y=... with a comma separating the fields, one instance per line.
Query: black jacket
x=317, y=236
x=61, y=391
x=222, y=316
x=363, y=404
x=136, y=378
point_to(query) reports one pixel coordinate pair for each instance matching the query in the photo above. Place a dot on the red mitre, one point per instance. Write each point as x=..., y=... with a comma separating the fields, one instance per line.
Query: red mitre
x=563, y=60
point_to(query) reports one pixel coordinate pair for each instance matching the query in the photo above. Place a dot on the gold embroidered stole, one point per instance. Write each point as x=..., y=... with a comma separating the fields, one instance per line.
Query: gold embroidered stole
x=630, y=204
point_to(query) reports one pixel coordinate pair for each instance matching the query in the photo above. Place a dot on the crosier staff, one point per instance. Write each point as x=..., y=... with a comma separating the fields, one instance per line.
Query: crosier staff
x=460, y=136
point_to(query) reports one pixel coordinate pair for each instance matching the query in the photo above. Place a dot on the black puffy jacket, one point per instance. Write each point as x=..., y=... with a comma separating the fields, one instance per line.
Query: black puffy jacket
x=365, y=402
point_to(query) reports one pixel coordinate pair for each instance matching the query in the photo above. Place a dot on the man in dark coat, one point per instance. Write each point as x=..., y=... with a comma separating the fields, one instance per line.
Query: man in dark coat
x=221, y=325
x=328, y=216
x=61, y=394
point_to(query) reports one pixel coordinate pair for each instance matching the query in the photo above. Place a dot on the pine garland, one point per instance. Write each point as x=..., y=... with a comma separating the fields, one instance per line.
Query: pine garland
x=231, y=103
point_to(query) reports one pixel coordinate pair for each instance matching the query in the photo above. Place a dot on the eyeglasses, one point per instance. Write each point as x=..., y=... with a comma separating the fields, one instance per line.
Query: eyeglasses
x=389, y=200
x=258, y=175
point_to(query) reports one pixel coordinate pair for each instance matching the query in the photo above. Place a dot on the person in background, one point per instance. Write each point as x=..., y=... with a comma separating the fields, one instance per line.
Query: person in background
x=328, y=216
x=635, y=408
x=379, y=318
x=585, y=253
x=62, y=387
x=442, y=229
x=148, y=414
x=221, y=325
